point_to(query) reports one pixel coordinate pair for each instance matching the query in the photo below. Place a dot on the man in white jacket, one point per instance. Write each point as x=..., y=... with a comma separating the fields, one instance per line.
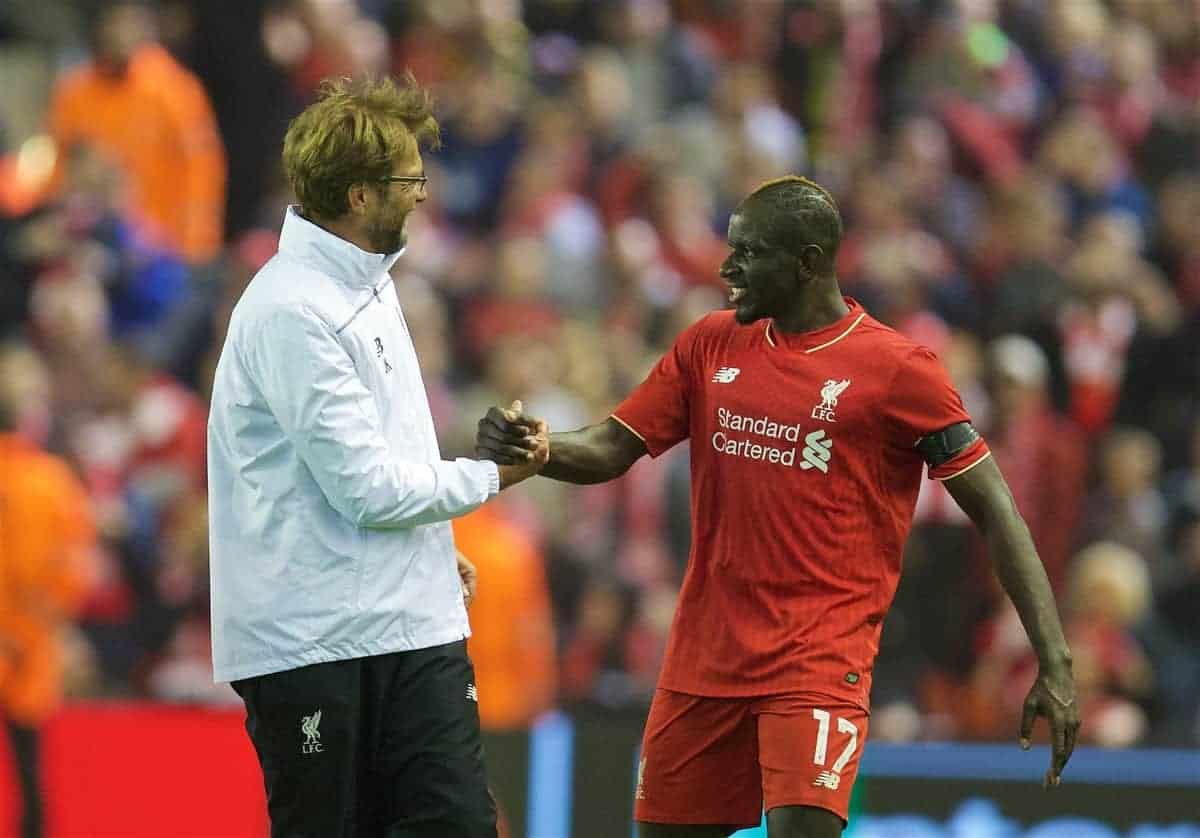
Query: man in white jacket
x=338, y=611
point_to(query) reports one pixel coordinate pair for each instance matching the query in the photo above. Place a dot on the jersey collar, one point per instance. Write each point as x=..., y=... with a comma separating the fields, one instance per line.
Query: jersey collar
x=817, y=339
x=333, y=255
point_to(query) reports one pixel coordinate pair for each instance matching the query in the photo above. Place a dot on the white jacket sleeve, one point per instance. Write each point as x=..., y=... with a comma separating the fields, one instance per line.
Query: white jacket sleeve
x=311, y=386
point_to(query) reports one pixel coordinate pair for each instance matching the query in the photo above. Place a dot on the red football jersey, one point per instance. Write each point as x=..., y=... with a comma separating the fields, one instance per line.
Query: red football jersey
x=804, y=479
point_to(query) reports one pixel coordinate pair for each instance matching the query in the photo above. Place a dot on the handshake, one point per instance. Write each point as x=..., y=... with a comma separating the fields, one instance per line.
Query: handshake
x=518, y=444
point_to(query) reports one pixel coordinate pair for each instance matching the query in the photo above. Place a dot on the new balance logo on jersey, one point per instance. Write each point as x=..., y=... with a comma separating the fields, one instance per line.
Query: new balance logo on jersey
x=829, y=399
x=816, y=452
x=827, y=780
x=640, y=792
x=312, y=736
x=472, y=693
x=725, y=375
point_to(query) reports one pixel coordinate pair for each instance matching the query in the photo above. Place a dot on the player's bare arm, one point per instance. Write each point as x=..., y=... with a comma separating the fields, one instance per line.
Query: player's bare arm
x=984, y=495
x=593, y=454
x=589, y=455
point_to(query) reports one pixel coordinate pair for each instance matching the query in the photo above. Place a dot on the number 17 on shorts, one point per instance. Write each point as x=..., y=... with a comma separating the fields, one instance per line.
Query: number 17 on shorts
x=722, y=760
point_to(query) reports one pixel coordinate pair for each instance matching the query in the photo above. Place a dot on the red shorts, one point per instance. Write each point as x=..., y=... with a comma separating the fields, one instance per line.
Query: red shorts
x=718, y=760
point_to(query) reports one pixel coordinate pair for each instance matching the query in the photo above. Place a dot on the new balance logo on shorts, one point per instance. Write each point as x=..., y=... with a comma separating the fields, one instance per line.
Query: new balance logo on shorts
x=725, y=375
x=640, y=792
x=828, y=780
x=472, y=693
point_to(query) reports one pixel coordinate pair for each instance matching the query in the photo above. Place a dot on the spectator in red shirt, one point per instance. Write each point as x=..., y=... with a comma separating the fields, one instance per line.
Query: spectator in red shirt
x=1044, y=454
x=1108, y=594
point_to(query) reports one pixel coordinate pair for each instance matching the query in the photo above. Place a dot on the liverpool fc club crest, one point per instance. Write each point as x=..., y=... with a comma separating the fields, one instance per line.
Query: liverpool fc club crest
x=309, y=726
x=829, y=399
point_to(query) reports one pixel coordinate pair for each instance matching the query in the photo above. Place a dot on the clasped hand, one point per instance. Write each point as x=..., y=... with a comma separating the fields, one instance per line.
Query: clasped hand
x=519, y=444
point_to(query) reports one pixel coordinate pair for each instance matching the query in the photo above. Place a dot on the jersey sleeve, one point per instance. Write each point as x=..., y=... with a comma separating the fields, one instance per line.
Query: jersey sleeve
x=923, y=401
x=658, y=410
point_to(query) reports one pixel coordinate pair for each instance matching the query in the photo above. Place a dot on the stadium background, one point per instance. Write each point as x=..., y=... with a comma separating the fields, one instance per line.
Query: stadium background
x=1021, y=186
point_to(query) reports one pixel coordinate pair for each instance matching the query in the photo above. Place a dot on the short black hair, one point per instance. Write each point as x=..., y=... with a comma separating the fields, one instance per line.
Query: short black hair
x=799, y=211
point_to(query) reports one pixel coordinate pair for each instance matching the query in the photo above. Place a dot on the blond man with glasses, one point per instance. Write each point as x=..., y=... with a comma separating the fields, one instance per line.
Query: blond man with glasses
x=338, y=597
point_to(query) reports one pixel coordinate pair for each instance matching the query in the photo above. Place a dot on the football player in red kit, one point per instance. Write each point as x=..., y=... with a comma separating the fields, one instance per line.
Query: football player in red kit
x=810, y=425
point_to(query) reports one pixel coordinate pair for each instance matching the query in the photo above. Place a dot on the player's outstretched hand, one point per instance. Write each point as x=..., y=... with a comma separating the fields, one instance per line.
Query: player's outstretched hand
x=1053, y=696
x=507, y=437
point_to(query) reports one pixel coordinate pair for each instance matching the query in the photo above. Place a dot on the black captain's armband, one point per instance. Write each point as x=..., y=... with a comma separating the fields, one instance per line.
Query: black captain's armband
x=946, y=444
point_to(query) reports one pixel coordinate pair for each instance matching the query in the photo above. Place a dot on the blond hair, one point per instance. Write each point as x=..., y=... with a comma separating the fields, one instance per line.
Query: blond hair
x=354, y=133
x=1111, y=581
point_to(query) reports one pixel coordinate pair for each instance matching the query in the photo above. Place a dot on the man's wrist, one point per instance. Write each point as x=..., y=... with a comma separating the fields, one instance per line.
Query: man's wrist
x=511, y=475
x=1057, y=662
x=493, y=478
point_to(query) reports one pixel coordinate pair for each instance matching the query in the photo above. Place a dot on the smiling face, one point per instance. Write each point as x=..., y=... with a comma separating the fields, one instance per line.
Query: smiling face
x=390, y=204
x=783, y=240
x=762, y=277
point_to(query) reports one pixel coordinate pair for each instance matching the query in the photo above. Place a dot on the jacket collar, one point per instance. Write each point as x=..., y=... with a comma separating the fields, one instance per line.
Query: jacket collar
x=332, y=255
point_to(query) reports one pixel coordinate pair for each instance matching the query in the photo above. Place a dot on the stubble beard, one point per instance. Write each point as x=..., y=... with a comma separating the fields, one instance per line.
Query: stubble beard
x=388, y=238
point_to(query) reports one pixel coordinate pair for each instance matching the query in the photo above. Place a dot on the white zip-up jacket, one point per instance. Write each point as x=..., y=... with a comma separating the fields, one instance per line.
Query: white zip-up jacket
x=328, y=496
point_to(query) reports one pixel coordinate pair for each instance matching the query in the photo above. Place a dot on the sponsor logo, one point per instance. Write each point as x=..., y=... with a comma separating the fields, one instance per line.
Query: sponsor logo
x=730, y=439
x=829, y=399
x=827, y=780
x=761, y=426
x=472, y=693
x=816, y=452
x=640, y=792
x=725, y=375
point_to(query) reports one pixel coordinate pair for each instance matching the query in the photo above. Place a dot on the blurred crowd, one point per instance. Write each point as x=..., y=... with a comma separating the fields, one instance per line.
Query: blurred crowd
x=1020, y=181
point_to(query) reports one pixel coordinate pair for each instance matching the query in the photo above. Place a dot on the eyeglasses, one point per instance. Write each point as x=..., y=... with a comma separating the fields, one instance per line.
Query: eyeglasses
x=415, y=180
